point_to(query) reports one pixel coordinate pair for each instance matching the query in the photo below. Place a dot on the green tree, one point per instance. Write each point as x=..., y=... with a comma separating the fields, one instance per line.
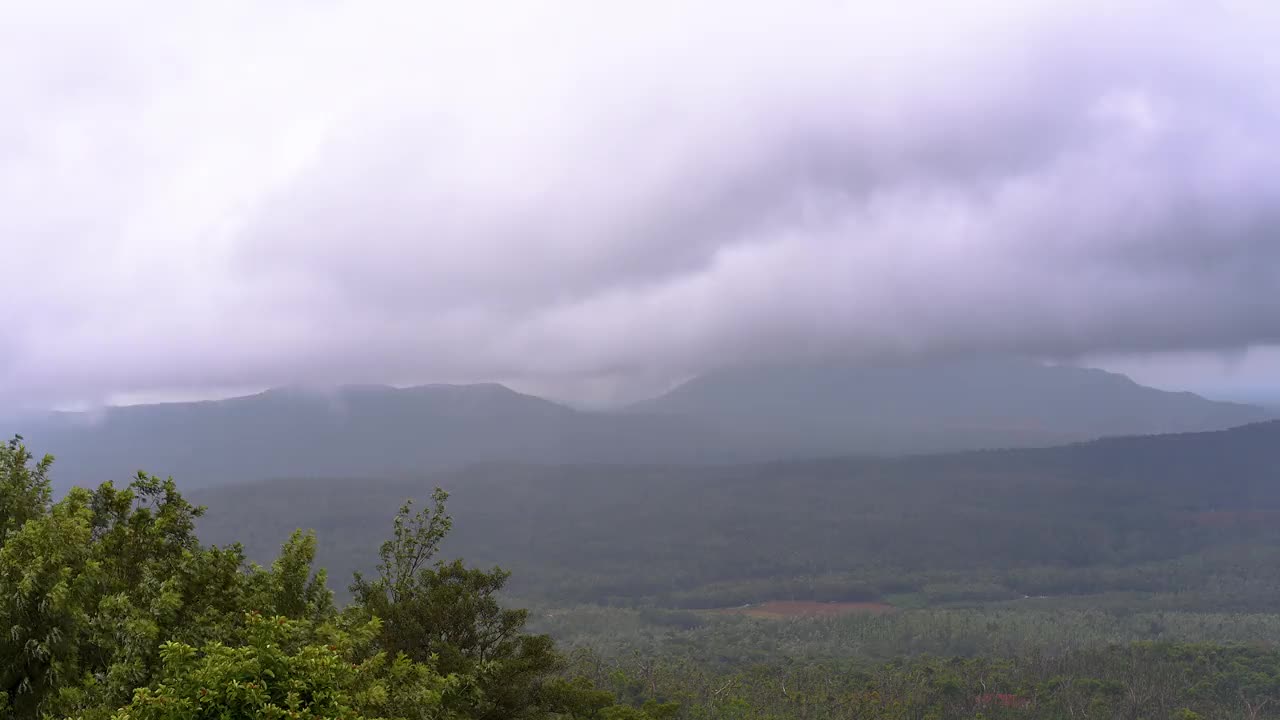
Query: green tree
x=450, y=612
x=115, y=610
x=24, y=486
x=48, y=580
x=92, y=585
x=294, y=669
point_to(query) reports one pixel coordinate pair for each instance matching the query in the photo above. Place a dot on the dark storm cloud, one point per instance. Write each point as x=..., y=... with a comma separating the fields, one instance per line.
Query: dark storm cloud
x=586, y=192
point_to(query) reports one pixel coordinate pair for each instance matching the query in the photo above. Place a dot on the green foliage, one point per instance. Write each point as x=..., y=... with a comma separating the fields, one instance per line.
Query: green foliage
x=116, y=611
x=24, y=486
x=290, y=669
x=292, y=588
x=47, y=580
x=92, y=585
x=450, y=613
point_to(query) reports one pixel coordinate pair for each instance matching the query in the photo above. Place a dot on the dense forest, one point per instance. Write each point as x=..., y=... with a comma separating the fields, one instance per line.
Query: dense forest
x=1159, y=591
x=1188, y=521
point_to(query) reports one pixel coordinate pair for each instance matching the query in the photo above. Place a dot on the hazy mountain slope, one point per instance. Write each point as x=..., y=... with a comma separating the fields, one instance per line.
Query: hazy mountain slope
x=1116, y=514
x=356, y=430
x=939, y=406
x=733, y=416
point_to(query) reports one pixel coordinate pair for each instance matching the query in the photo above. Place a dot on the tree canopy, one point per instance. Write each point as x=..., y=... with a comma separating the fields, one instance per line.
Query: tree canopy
x=117, y=611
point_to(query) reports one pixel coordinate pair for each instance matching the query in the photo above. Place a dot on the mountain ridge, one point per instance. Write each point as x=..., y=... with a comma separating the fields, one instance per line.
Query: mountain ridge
x=1067, y=402
x=780, y=413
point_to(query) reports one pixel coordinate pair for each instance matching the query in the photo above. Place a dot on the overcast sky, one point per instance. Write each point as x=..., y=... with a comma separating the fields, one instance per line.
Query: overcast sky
x=593, y=198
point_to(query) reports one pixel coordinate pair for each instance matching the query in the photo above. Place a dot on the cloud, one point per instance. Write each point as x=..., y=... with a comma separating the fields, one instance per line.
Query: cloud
x=240, y=194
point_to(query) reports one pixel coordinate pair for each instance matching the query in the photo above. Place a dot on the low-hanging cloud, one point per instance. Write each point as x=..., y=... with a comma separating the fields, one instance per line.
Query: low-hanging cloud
x=244, y=194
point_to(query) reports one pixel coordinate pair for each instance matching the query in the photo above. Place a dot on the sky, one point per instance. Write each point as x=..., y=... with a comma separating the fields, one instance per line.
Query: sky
x=593, y=199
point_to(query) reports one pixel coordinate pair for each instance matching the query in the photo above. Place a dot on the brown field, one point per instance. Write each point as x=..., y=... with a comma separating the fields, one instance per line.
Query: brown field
x=782, y=609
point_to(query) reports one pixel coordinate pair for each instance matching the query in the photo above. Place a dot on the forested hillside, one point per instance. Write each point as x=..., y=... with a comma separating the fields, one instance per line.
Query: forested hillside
x=1196, y=515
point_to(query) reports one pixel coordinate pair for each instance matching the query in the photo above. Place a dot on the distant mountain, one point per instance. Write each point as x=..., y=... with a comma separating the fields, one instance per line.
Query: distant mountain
x=725, y=417
x=937, y=406
x=351, y=430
